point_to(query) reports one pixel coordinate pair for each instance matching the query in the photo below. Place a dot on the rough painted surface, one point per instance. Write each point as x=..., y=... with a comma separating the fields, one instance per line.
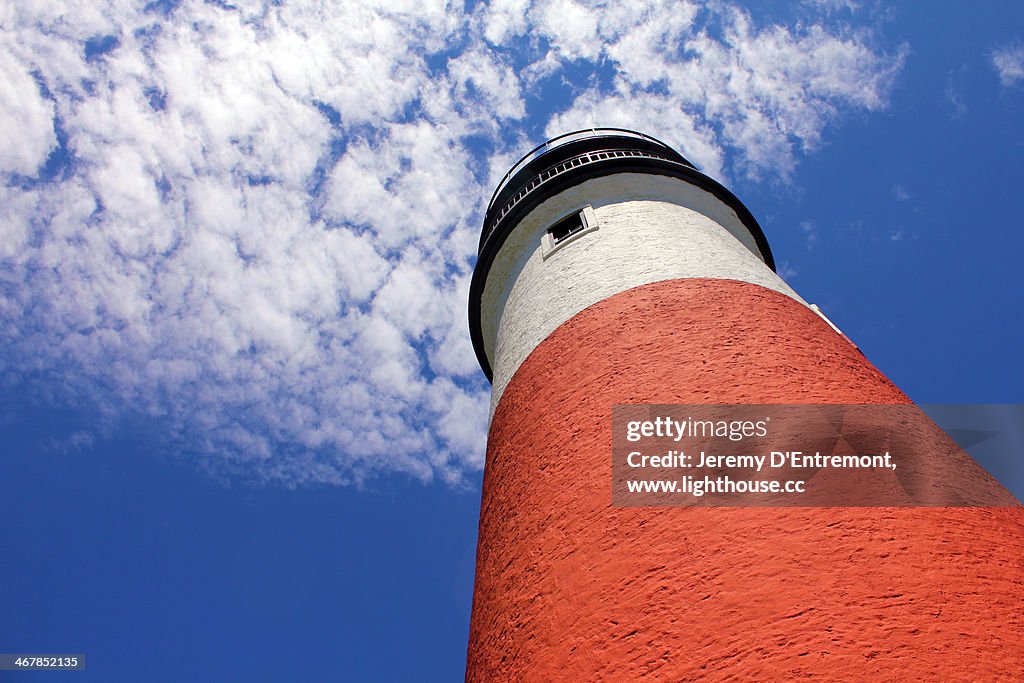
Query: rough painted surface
x=569, y=588
x=668, y=228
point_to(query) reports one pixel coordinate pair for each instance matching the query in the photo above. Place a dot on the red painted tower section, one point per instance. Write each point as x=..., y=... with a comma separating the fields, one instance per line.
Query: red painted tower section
x=569, y=588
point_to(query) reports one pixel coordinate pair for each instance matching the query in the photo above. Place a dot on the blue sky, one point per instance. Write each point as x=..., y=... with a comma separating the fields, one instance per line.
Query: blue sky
x=242, y=423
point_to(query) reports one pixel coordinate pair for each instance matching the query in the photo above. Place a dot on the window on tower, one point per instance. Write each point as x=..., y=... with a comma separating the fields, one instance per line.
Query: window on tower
x=567, y=229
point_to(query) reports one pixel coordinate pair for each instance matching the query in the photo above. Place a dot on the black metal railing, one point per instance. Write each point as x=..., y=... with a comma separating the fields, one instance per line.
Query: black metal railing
x=555, y=171
x=570, y=138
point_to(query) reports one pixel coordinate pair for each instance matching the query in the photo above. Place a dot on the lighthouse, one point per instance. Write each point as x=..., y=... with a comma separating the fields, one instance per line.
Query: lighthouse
x=612, y=272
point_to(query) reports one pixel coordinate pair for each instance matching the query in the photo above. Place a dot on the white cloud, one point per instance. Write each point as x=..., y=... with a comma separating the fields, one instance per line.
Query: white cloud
x=954, y=92
x=495, y=83
x=254, y=227
x=833, y=5
x=765, y=92
x=26, y=118
x=1009, y=64
x=810, y=232
x=504, y=20
x=787, y=271
x=571, y=27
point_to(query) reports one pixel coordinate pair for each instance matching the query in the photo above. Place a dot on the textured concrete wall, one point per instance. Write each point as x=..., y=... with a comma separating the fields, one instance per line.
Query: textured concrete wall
x=569, y=588
x=651, y=228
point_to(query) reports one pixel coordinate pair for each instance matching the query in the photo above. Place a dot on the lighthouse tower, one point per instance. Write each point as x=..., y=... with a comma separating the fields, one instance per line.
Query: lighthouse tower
x=611, y=271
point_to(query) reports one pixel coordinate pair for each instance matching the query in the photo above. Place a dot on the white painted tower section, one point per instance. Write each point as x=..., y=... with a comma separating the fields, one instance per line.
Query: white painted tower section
x=649, y=228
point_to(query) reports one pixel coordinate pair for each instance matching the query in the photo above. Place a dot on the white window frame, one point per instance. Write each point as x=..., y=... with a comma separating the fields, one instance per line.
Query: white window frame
x=547, y=242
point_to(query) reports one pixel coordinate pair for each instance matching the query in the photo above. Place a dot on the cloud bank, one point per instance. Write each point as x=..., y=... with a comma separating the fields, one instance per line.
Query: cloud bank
x=251, y=225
